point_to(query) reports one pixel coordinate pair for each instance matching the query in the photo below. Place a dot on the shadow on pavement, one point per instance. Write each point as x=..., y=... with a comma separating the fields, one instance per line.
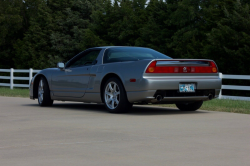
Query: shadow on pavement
x=156, y=110
x=136, y=110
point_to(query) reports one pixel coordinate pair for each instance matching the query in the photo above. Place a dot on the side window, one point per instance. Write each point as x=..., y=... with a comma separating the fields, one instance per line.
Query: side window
x=84, y=59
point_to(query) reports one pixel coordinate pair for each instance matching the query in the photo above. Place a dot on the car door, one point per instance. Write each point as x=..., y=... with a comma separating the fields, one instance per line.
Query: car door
x=73, y=80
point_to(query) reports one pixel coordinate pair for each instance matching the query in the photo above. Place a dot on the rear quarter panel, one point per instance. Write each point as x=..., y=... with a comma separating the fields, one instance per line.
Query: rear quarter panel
x=124, y=70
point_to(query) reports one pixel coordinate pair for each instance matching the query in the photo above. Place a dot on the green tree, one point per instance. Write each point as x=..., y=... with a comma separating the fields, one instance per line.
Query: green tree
x=14, y=22
x=229, y=40
x=32, y=51
x=119, y=23
x=188, y=40
x=157, y=31
x=39, y=33
x=59, y=32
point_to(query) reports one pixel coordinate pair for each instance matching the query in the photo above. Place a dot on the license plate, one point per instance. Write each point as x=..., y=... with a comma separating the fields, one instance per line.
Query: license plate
x=186, y=88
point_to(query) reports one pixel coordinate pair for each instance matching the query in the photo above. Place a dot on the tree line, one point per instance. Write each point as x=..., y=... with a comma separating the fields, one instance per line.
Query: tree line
x=39, y=33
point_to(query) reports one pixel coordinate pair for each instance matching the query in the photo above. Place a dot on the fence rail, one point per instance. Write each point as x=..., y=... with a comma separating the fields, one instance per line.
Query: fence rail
x=234, y=87
x=12, y=77
x=31, y=71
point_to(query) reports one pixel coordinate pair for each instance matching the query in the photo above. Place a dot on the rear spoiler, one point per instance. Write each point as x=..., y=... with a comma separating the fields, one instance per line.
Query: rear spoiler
x=182, y=66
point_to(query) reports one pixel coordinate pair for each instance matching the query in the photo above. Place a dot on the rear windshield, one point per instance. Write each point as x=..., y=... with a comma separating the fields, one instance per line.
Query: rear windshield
x=121, y=54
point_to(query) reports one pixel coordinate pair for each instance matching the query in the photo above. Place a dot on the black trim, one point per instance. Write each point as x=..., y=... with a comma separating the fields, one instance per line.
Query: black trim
x=176, y=93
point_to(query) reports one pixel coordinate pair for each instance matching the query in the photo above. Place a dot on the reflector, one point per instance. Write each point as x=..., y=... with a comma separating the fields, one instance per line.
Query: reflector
x=151, y=69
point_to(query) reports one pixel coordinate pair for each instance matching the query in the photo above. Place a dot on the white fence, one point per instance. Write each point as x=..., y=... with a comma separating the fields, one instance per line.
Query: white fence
x=12, y=77
x=234, y=87
x=31, y=71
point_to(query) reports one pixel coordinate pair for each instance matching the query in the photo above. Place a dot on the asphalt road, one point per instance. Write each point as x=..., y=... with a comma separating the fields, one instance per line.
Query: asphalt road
x=70, y=134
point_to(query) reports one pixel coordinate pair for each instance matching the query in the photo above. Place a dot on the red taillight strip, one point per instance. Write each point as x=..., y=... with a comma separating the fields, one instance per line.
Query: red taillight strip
x=152, y=68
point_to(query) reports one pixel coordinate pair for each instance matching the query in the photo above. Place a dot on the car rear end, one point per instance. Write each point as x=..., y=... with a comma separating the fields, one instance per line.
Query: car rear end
x=178, y=81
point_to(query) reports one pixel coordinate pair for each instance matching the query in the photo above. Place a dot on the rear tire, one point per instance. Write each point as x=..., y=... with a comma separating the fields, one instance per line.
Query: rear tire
x=189, y=106
x=44, y=98
x=115, y=97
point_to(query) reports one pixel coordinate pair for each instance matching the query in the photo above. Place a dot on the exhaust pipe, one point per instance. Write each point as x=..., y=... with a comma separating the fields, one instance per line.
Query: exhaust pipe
x=210, y=96
x=159, y=98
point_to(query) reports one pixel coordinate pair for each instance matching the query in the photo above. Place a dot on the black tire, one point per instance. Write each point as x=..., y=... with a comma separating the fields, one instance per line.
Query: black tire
x=123, y=104
x=190, y=106
x=45, y=99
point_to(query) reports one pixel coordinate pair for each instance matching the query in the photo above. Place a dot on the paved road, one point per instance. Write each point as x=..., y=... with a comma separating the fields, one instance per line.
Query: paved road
x=70, y=134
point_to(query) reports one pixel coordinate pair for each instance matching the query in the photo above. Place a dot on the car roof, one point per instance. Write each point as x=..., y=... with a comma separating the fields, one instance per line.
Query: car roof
x=105, y=47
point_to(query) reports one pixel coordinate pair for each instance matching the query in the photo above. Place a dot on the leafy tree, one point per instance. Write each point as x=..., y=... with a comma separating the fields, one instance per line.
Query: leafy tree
x=14, y=22
x=229, y=41
x=189, y=38
x=59, y=32
x=119, y=23
x=157, y=31
x=39, y=33
x=34, y=49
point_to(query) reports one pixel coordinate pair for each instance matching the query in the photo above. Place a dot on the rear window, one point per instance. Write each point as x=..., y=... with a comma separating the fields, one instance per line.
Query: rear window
x=121, y=54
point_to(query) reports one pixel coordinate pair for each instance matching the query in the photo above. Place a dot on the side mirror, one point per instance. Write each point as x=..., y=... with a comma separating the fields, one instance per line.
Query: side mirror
x=60, y=65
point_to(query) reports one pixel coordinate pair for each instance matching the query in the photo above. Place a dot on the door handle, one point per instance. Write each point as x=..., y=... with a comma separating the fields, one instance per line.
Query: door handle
x=68, y=70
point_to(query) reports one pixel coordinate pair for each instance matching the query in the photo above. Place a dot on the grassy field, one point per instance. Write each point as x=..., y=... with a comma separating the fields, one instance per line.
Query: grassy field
x=213, y=105
x=222, y=105
x=16, y=92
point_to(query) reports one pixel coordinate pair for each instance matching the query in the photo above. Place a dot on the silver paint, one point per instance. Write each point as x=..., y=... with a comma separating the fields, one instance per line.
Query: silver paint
x=83, y=84
x=112, y=95
x=40, y=91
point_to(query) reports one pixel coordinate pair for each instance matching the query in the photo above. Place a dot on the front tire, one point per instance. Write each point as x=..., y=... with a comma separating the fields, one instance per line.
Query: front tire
x=189, y=106
x=44, y=98
x=115, y=97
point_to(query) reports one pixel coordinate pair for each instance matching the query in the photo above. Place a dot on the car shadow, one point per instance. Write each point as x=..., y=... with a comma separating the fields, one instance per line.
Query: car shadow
x=136, y=109
x=74, y=106
x=158, y=110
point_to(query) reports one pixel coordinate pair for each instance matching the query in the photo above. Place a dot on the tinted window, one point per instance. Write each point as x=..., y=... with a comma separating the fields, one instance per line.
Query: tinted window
x=120, y=54
x=84, y=59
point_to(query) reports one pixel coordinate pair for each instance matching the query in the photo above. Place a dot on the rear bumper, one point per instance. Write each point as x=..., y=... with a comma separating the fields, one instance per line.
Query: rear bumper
x=182, y=99
x=153, y=85
x=149, y=96
x=172, y=83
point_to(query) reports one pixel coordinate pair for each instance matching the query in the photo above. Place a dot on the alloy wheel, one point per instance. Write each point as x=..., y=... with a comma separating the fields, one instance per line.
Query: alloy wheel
x=112, y=95
x=40, y=91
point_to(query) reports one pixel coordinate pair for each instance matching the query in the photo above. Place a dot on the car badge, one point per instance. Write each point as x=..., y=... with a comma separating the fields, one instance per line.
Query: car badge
x=184, y=69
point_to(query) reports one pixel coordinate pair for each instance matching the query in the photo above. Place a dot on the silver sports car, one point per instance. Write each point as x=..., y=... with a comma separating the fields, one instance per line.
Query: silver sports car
x=122, y=76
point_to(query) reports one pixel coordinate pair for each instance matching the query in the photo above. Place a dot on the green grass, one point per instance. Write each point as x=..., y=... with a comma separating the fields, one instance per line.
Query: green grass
x=16, y=92
x=235, y=106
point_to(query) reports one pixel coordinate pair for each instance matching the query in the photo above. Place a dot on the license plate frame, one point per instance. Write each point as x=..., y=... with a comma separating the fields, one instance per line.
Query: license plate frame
x=187, y=87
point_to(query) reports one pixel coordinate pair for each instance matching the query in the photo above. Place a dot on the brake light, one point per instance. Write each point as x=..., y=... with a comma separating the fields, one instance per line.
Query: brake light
x=152, y=68
x=214, y=68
